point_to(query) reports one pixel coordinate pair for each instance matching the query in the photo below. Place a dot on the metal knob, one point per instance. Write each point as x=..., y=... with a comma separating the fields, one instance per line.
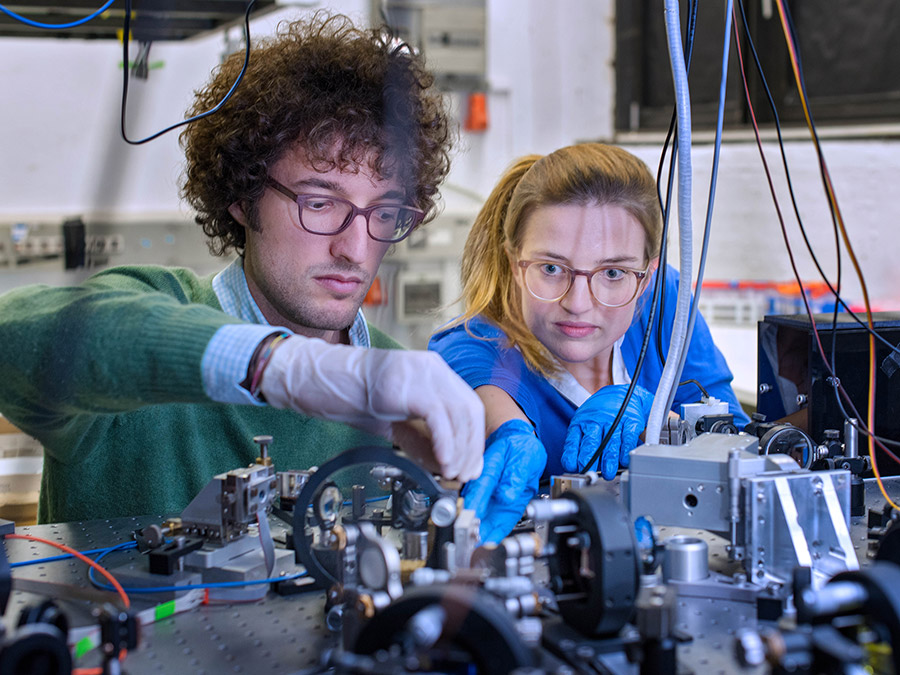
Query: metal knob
x=263, y=443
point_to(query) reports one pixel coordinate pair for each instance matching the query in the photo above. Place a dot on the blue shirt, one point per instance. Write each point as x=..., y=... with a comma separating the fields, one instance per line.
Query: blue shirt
x=479, y=353
x=228, y=354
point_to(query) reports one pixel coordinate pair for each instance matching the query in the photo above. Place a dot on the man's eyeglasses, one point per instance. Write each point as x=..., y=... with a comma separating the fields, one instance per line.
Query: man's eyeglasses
x=329, y=215
x=610, y=286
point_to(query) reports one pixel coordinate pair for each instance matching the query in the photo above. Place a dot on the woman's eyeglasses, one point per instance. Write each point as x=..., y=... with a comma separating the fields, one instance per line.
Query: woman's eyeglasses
x=611, y=286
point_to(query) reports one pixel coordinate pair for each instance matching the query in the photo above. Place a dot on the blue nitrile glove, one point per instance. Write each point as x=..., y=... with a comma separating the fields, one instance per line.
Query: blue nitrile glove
x=592, y=420
x=514, y=460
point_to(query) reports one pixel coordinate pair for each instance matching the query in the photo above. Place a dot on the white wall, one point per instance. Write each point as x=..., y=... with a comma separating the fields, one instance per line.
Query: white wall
x=59, y=125
x=550, y=69
x=747, y=240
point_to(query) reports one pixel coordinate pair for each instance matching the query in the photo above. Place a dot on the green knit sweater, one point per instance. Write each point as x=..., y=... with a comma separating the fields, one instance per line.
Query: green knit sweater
x=107, y=376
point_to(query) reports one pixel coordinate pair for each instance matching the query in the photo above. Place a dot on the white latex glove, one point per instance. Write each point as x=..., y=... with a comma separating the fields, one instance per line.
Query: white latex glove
x=371, y=388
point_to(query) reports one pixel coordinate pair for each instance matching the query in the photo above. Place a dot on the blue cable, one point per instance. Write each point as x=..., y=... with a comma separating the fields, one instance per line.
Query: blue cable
x=369, y=500
x=65, y=556
x=240, y=76
x=189, y=587
x=55, y=26
x=197, y=587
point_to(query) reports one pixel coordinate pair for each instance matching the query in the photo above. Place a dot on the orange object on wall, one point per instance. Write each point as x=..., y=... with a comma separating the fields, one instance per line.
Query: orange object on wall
x=477, y=119
x=376, y=295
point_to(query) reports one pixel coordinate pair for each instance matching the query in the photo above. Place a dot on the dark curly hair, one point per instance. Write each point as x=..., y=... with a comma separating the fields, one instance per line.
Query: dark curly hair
x=321, y=83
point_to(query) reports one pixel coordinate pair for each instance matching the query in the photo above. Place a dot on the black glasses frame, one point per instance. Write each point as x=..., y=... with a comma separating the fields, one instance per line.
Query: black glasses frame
x=418, y=214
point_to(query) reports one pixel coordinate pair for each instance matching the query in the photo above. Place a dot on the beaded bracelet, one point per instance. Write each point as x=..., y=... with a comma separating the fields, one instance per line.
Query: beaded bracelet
x=261, y=361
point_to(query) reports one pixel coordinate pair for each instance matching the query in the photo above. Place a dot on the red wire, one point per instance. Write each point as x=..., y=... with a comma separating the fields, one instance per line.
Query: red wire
x=83, y=558
x=96, y=566
x=790, y=252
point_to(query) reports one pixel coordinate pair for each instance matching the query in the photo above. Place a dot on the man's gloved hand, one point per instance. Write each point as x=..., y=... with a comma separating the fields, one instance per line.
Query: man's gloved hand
x=371, y=388
x=514, y=460
x=592, y=420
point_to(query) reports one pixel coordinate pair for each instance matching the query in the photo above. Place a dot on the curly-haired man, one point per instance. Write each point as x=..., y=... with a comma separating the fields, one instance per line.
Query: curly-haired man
x=145, y=382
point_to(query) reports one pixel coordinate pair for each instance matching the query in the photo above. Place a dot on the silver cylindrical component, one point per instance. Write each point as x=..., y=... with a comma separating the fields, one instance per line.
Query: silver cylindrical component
x=530, y=629
x=415, y=506
x=358, y=501
x=851, y=439
x=686, y=559
x=443, y=513
x=518, y=545
x=426, y=625
x=415, y=544
x=551, y=509
x=750, y=648
x=334, y=619
x=834, y=598
x=734, y=489
x=450, y=556
x=523, y=605
x=509, y=586
x=425, y=576
x=263, y=442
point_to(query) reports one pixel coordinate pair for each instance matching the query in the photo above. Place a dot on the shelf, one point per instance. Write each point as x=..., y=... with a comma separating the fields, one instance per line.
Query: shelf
x=152, y=20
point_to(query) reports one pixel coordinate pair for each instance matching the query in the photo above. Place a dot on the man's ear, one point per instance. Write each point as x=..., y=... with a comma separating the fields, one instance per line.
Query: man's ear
x=654, y=264
x=237, y=212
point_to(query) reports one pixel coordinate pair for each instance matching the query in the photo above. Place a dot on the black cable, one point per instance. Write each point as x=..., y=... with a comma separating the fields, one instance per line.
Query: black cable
x=665, y=207
x=806, y=241
x=829, y=363
x=699, y=386
x=215, y=108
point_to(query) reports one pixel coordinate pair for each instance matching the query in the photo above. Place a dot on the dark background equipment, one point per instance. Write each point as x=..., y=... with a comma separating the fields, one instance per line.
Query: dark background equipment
x=794, y=383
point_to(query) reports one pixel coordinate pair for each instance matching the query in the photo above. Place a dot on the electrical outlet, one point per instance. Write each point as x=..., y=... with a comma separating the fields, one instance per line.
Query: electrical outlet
x=115, y=244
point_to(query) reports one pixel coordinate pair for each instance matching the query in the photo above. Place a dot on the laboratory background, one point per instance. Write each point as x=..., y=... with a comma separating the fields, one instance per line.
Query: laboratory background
x=522, y=76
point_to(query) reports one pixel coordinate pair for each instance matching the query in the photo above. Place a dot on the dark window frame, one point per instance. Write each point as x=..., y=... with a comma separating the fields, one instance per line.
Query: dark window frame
x=849, y=50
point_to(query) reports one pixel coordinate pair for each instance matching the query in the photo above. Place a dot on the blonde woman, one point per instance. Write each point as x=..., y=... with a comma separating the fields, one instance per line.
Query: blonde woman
x=557, y=277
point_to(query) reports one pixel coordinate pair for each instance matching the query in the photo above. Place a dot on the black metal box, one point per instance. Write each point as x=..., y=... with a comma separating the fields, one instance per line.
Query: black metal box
x=794, y=381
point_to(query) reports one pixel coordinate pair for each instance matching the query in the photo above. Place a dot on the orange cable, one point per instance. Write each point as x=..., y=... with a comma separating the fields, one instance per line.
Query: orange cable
x=80, y=556
x=832, y=197
x=99, y=568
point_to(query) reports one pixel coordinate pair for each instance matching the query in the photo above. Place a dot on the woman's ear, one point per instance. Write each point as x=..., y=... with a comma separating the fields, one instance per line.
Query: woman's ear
x=237, y=212
x=513, y=265
x=651, y=268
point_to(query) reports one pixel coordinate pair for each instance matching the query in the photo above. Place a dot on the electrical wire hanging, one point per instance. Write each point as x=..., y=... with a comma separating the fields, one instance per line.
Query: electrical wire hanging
x=720, y=121
x=668, y=380
x=833, y=289
x=215, y=108
x=657, y=298
x=55, y=26
x=832, y=201
x=114, y=585
x=665, y=205
x=841, y=396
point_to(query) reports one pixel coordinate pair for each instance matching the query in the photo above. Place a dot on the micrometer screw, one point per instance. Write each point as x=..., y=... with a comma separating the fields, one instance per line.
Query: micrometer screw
x=443, y=513
x=263, y=443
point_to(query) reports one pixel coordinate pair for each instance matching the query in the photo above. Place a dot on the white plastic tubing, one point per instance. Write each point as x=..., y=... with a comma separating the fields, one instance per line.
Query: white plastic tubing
x=668, y=381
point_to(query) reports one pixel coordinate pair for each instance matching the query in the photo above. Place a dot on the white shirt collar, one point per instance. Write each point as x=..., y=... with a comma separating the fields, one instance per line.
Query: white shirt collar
x=573, y=391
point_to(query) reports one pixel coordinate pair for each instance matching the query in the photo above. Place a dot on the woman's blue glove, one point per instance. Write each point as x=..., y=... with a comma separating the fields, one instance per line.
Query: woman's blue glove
x=514, y=460
x=592, y=420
